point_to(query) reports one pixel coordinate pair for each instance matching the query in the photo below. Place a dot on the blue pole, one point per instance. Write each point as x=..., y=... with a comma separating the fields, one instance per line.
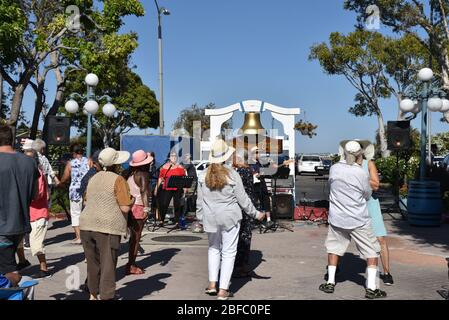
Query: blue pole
x=422, y=166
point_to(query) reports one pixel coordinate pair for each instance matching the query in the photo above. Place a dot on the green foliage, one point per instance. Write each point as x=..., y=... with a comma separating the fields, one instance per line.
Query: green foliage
x=408, y=167
x=442, y=141
x=306, y=128
x=413, y=18
x=357, y=58
x=60, y=200
x=12, y=27
x=31, y=30
x=195, y=113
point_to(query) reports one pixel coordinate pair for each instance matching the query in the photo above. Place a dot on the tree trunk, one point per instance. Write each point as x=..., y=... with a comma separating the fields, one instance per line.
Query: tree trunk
x=38, y=105
x=443, y=61
x=15, y=108
x=17, y=100
x=57, y=102
x=400, y=113
x=382, y=136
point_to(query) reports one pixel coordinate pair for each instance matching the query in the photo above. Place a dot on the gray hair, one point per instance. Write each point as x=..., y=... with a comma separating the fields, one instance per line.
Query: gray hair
x=32, y=154
x=38, y=145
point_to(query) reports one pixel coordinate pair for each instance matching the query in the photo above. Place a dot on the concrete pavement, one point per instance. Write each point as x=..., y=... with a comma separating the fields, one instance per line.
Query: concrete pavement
x=288, y=265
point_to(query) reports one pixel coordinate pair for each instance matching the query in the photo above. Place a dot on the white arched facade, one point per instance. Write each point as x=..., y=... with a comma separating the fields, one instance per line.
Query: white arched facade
x=286, y=116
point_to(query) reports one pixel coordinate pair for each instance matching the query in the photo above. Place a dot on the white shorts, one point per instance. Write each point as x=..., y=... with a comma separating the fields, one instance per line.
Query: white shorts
x=338, y=240
x=37, y=236
x=75, y=211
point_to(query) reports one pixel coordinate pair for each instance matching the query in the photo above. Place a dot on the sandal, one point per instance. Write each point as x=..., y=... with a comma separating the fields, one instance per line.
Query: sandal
x=133, y=269
x=327, y=287
x=76, y=242
x=226, y=297
x=211, y=292
x=375, y=294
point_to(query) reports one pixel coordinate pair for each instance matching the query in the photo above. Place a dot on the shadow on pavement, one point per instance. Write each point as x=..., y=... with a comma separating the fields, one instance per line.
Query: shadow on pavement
x=433, y=236
x=58, y=264
x=256, y=258
x=137, y=289
x=161, y=257
x=72, y=295
x=59, y=224
x=68, y=236
x=352, y=268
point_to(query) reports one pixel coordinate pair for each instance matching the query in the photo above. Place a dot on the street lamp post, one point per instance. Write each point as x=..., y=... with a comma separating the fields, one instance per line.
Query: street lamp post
x=430, y=99
x=90, y=107
x=424, y=203
x=161, y=11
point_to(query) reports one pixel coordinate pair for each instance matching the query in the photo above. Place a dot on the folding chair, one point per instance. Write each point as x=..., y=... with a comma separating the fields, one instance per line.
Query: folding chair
x=18, y=293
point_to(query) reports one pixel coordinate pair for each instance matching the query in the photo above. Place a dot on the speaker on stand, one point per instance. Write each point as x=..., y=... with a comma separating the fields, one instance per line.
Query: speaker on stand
x=58, y=131
x=398, y=140
x=284, y=207
x=398, y=135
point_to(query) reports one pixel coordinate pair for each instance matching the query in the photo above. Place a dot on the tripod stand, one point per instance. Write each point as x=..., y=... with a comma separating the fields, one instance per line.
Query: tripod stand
x=283, y=172
x=445, y=292
x=395, y=207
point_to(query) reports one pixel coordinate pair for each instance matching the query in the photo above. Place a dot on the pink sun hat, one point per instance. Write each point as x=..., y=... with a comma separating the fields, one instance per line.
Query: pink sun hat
x=140, y=158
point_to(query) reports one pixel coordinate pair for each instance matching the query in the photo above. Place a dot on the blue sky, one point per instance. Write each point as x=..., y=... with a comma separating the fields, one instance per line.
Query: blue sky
x=228, y=51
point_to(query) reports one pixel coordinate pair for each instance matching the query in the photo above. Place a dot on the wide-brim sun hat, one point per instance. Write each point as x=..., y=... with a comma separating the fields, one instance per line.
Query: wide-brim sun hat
x=109, y=157
x=369, y=149
x=220, y=152
x=140, y=158
x=27, y=144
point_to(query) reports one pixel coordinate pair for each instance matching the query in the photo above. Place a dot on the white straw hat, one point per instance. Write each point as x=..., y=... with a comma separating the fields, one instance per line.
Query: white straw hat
x=368, y=148
x=220, y=152
x=109, y=157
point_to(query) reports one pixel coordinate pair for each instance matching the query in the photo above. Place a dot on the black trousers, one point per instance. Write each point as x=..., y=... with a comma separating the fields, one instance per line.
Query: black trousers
x=262, y=196
x=165, y=197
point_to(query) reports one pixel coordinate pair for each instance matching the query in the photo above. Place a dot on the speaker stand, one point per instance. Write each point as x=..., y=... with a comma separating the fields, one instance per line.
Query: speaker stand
x=395, y=207
x=275, y=224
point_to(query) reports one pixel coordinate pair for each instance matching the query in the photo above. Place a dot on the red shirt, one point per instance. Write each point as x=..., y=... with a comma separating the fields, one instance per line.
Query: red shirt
x=165, y=174
x=39, y=206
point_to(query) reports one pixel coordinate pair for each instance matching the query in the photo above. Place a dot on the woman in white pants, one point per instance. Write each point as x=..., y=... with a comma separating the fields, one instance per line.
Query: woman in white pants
x=221, y=197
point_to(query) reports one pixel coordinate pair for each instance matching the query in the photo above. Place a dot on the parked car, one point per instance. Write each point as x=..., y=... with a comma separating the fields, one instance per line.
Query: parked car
x=438, y=161
x=445, y=162
x=308, y=163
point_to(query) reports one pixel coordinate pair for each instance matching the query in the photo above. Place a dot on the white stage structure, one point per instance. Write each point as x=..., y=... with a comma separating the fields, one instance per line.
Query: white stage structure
x=286, y=116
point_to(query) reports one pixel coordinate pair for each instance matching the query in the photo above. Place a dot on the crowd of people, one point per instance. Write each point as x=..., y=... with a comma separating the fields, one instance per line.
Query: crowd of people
x=108, y=203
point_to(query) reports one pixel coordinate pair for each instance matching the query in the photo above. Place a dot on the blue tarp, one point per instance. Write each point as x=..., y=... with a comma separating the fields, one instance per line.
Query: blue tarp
x=160, y=145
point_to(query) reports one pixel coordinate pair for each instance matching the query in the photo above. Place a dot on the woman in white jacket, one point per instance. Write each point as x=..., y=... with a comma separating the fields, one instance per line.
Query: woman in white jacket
x=221, y=199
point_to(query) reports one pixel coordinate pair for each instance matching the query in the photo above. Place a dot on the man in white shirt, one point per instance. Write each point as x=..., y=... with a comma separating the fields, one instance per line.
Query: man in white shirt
x=349, y=218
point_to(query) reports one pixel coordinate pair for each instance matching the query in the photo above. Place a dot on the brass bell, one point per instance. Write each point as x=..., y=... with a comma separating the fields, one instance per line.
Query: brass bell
x=252, y=124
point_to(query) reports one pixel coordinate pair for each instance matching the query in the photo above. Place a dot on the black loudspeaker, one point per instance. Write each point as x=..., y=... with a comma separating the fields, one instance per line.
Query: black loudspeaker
x=58, y=131
x=283, y=206
x=398, y=135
